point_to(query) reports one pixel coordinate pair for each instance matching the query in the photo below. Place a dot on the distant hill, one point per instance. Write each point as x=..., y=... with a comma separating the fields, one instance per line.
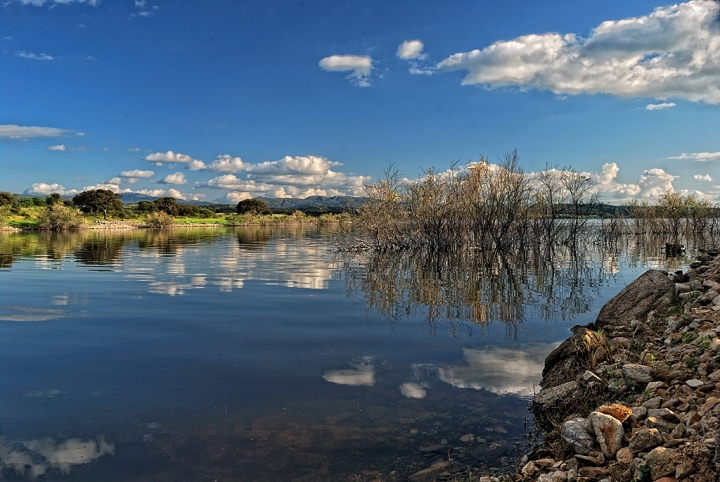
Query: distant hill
x=314, y=203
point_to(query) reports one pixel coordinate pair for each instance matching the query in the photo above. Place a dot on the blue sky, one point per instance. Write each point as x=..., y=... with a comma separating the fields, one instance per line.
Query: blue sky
x=224, y=100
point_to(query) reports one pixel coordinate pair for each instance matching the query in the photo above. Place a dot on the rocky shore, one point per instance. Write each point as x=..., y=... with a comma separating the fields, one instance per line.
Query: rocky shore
x=635, y=396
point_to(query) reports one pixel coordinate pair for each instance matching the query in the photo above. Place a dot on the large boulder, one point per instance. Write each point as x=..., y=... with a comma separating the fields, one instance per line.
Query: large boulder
x=651, y=291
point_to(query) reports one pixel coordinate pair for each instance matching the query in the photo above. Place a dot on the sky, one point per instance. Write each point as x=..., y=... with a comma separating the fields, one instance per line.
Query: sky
x=224, y=100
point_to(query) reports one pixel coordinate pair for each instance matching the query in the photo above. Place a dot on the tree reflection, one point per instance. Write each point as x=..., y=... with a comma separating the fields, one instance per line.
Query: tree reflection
x=470, y=289
x=101, y=250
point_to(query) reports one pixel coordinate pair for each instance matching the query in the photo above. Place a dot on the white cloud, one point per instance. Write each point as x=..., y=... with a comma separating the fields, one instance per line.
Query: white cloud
x=609, y=188
x=655, y=182
x=359, y=66
x=151, y=192
x=45, y=189
x=410, y=49
x=106, y=186
x=700, y=177
x=40, y=3
x=664, y=105
x=10, y=131
x=363, y=374
x=236, y=197
x=35, y=458
x=115, y=180
x=227, y=163
x=413, y=390
x=305, y=165
x=176, y=194
x=174, y=178
x=672, y=52
x=140, y=3
x=232, y=182
x=169, y=156
x=59, y=147
x=32, y=56
x=196, y=165
x=698, y=156
x=137, y=173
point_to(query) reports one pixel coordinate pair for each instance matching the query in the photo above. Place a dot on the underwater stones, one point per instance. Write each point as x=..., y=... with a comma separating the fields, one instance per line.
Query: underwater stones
x=609, y=432
x=575, y=433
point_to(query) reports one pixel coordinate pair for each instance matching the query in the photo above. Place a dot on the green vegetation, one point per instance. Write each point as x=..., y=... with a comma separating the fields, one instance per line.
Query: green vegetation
x=58, y=217
x=252, y=206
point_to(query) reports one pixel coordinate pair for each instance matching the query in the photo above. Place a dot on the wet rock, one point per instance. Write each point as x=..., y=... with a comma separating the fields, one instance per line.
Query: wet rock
x=434, y=448
x=644, y=439
x=639, y=373
x=609, y=432
x=435, y=470
x=574, y=432
x=469, y=438
x=662, y=462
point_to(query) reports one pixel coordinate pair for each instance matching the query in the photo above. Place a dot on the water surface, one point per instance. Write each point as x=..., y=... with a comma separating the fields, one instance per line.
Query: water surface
x=260, y=354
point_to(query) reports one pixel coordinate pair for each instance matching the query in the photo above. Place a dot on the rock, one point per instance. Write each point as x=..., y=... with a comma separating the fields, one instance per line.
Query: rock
x=550, y=397
x=593, y=472
x=469, y=438
x=433, y=448
x=620, y=412
x=660, y=424
x=644, y=439
x=694, y=383
x=571, y=358
x=684, y=468
x=529, y=469
x=709, y=404
x=432, y=472
x=624, y=456
x=647, y=293
x=638, y=413
x=714, y=376
x=664, y=413
x=574, y=433
x=557, y=476
x=639, y=373
x=653, y=403
x=662, y=462
x=609, y=432
x=655, y=385
x=589, y=377
x=594, y=458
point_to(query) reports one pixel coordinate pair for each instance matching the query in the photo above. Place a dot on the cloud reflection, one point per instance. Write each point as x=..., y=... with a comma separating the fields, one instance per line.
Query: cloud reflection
x=362, y=375
x=413, y=390
x=29, y=313
x=499, y=370
x=35, y=457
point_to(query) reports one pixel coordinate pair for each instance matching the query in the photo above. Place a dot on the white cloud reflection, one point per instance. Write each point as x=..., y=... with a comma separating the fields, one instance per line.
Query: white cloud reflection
x=29, y=313
x=499, y=370
x=363, y=374
x=35, y=457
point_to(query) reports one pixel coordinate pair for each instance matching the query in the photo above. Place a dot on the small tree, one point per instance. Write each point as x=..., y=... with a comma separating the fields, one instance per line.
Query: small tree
x=98, y=201
x=252, y=206
x=167, y=205
x=6, y=199
x=57, y=217
x=146, y=207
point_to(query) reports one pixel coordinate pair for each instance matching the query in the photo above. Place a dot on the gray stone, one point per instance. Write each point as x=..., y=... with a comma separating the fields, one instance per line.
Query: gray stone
x=655, y=385
x=664, y=413
x=574, y=433
x=653, y=403
x=644, y=439
x=682, y=288
x=694, y=383
x=660, y=424
x=589, y=376
x=661, y=462
x=639, y=373
x=647, y=293
x=551, y=396
x=609, y=432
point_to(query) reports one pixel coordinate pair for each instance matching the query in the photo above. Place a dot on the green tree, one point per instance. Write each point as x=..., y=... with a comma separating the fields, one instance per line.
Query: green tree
x=252, y=206
x=98, y=201
x=57, y=217
x=53, y=198
x=146, y=207
x=6, y=198
x=167, y=205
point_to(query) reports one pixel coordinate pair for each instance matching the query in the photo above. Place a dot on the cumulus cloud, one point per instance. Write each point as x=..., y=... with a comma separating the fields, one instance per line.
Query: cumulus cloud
x=137, y=173
x=227, y=163
x=298, y=176
x=32, y=56
x=655, y=182
x=672, y=52
x=362, y=374
x=359, y=66
x=59, y=147
x=195, y=165
x=169, y=156
x=174, y=178
x=36, y=458
x=115, y=180
x=40, y=3
x=236, y=197
x=608, y=187
x=410, y=49
x=12, y=132
x=698, y=156
x=701, y=177
x=664, y=105
x=42, y=188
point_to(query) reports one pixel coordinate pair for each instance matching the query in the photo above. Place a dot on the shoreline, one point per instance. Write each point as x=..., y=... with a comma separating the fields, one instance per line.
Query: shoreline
x=635, y=396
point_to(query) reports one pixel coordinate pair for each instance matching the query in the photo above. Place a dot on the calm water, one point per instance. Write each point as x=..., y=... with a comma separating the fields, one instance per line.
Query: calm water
x=258, y=354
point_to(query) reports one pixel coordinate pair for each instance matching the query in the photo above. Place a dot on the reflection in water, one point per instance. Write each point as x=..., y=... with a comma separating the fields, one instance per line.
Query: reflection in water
x=29, y=313
x=500, y=370
x=35, y=458
x=413, y=390
x=363, y=374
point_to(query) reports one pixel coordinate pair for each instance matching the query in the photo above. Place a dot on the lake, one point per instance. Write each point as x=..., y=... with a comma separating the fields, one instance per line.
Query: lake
x=260, y=353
